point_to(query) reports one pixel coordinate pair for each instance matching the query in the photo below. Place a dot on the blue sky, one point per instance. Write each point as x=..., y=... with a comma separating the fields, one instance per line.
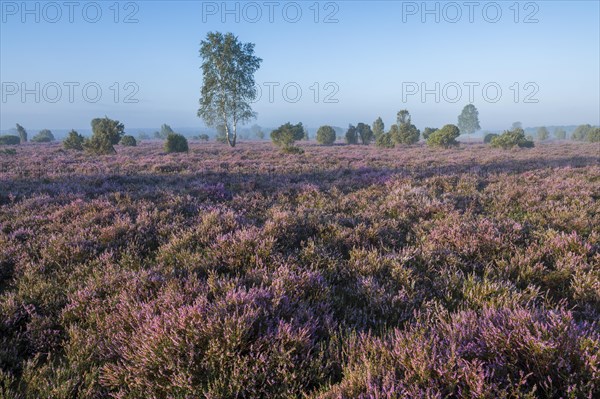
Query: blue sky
x=372, y=59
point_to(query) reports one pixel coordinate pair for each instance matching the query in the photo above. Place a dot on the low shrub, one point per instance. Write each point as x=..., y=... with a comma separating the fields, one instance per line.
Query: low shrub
x=510, y=139
x=444, y=137
x=128, y=141
x=326, y=135
x=10, y=140
x=487, y=139
x=44, y=136
x=176, y=143
x=74, y=141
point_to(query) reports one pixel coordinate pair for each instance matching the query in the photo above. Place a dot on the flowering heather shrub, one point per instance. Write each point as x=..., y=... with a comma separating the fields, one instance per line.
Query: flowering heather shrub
x=495, y=353
x=335, y=274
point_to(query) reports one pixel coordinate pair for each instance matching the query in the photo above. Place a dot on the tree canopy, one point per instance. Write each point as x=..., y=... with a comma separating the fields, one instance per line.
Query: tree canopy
x=468, y=120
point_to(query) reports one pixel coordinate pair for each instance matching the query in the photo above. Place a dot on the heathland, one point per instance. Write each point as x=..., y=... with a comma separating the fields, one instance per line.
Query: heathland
x=344, y=271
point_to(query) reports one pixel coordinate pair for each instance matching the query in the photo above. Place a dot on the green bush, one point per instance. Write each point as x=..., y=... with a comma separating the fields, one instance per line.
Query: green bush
x=351, y=135
x=106, y=133
x=444, y=137
x=128, y=141
x=203, y=137
x=384, y=141
x=326, y=135
x=428, y=131
x=581, y=132
x=44, y=136
x=594, y=135
x=74, y=141
x=22, y=133
x=10, y=140
x=487, y=139
x=287, y=134
x=176, y=143
x=510, y=139
x=8, y=151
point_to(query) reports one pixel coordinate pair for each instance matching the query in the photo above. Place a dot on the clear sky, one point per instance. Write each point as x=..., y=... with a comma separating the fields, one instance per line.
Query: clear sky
x=535, y=62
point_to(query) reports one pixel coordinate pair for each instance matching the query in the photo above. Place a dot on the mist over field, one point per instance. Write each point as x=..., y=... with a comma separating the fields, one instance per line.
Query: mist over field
x=384, y=199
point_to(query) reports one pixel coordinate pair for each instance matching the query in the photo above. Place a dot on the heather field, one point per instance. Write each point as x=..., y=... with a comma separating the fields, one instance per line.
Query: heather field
x=344, y=272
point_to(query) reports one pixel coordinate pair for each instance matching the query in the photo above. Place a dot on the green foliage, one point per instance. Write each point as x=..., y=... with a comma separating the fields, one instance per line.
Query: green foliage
x=22, y=133
x=203, y=137
x=444, y=137
x=10, y=140
x=427, y=132
x=44, y=136
x=352, y=135
x=468, y=120
x=385, y=140
x=128, y=141
x=542, y=133
x=487, y=139
x=8, y=151
x=326, y=135
x=378, y=128
x=99, y=145
x=228, y=87
x=365, y=133
x=560, y=134
x=287, y=134
x=74, y=141
x=517, y=125
x=106, y=134
x=176, y=143
x=510, y=139
x=143, y=136
x=404, y=132
x=581, y=132
x=594, y=135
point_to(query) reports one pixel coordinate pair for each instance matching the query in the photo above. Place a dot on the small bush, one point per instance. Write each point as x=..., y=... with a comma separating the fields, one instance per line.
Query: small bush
x=427, y=132
x=128, y=141
x=176, y=143
x=487, y=139
x=594, y=135
x=351, y=135
x=106, y=133
x=581, y=132
x=444, y=137
x=10, y=140
x=44, y=136
x=203, y=137
x=99, y=145
x=326, y=135
x=9, y=151
x=510, y=139
x=384, y=141
x=74, y=141
x=286, y=135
